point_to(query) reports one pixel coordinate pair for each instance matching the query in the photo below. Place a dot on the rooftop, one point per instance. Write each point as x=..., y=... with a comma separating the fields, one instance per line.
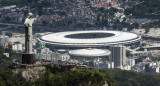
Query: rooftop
x=89, y=52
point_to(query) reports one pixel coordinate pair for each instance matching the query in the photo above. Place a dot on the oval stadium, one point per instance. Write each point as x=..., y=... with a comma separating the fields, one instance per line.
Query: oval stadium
x=90, y=39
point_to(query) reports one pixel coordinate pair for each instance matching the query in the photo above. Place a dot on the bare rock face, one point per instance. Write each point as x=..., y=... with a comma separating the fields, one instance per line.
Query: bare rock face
x=30, y=74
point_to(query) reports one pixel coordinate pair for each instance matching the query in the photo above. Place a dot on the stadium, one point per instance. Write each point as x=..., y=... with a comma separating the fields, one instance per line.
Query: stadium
x=90, y=39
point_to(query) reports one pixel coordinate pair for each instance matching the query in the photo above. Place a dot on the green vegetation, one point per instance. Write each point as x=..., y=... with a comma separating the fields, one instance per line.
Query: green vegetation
x=144, y=44
x=148, y=7
x=35, y=5
x=103, y=15
x=8, y=34
x=147, y=30
x=155, y=24
x=6, y=61
x=83, y=77
x=14, y=2
x=7, y=19
x=155, y=59
x=120, y=25
x=38, y=6
x=78, y=77
x=130, y=78
x=7, y=78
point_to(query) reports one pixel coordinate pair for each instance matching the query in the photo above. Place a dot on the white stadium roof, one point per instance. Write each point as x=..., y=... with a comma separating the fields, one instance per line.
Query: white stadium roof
x=89, y=52
x=118, y=37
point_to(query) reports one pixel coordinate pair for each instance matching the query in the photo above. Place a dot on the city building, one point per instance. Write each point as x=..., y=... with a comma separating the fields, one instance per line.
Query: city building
x=99, y=64
x=131, y=62
x=47, y=54
x=59, y=57
x=17, y=47
x=137, y=54
x=126, y=67
x=3, y=39
x=118, y=55
x=43, y=53
x=152, y=67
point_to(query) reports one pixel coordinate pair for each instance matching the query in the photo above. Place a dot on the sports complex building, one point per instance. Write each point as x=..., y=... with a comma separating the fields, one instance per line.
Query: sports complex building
x=90, y=39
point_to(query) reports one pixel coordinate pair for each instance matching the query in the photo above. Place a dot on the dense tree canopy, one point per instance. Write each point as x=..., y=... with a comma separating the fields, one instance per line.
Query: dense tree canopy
x=147, y=7
x=7, y=78
x=130, y=78
x=78, y=77
x=83, y=77
x=103, y=15
x=6, y=61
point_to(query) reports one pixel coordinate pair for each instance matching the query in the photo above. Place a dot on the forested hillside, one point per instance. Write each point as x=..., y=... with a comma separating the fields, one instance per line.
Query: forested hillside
x=145, y=7
x=130, y=78
x=78, y=77
x=6, y=61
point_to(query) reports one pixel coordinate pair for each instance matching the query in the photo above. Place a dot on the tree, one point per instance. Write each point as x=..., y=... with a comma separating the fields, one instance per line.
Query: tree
x=78, y=77
x=131, y=78
x=9, y=34
x=143, y=44
x=135, y=25
x=7, y=19
x=148, y=7
x=147, y=30
x=44, y=23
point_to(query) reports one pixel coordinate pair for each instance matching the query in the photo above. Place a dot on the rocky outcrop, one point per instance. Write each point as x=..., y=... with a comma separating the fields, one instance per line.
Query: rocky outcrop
x=30, y=74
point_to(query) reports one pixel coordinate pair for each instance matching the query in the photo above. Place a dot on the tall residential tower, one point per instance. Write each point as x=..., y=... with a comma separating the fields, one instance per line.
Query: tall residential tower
x=118, y=55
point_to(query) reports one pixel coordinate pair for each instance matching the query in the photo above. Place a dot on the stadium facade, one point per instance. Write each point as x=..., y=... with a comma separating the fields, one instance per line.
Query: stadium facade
x=90, y=39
